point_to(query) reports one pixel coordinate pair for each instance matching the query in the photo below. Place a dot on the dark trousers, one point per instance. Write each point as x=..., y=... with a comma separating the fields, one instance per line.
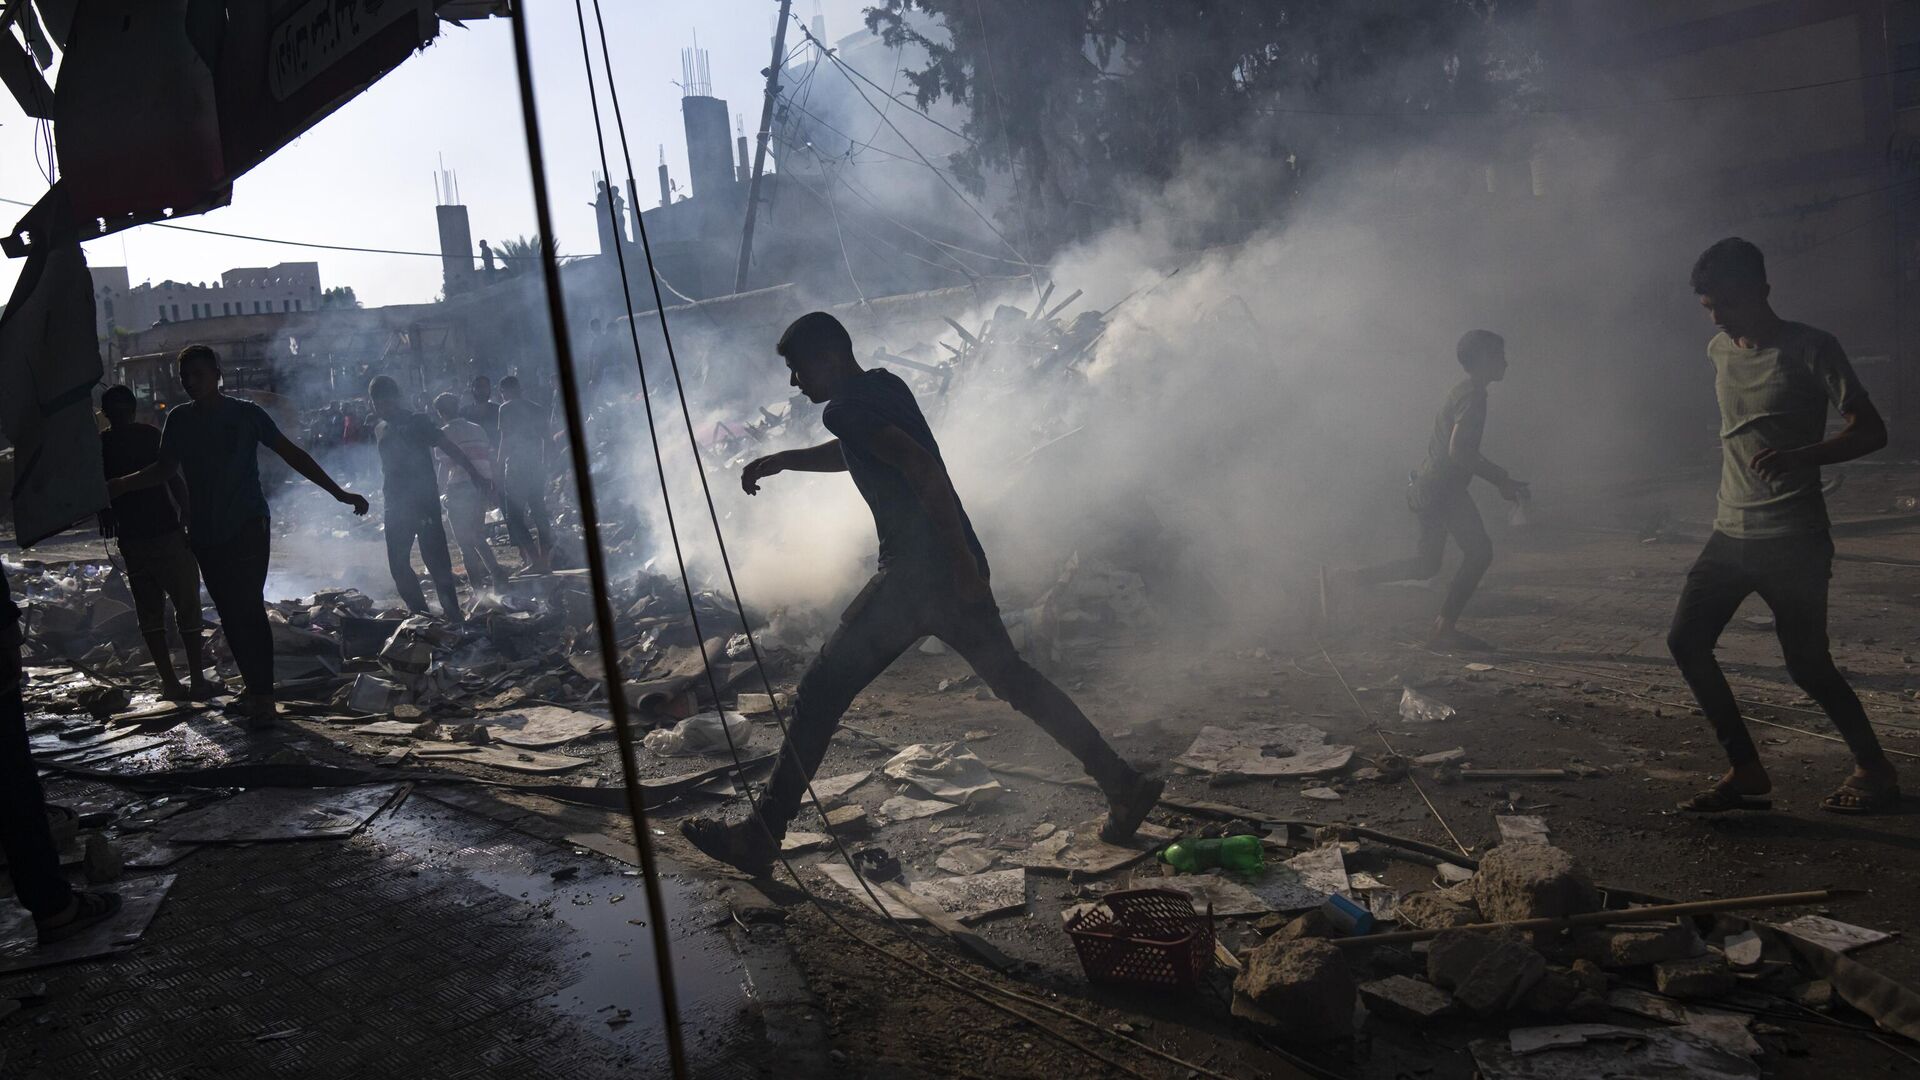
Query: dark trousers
x=897, y=608
x=526, y=514
x=31, y=860
x=1456, y=516
x=1790, y=574
x=405, y=523
x=235, y=573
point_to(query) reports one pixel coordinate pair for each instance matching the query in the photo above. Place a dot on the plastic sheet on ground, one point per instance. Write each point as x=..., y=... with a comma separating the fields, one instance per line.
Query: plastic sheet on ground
x=1418, y=708
x=281, y=814
x=1582, y=1051
x=947, y=771
x=20, y=949
x=1832, y=934
x=1224, y=895
x=906, y=808
x=1265, y=750
x=1304, y=881
x=968, y=899
x=700, y=734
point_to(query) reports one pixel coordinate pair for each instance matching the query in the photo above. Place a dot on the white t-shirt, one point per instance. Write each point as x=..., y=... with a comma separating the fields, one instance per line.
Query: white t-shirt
x=471, y=438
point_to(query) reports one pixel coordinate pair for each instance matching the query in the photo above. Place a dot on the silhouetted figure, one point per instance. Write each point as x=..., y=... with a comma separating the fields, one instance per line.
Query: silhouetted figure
x=407, y=441
x=1774, y=380
x=932, y=579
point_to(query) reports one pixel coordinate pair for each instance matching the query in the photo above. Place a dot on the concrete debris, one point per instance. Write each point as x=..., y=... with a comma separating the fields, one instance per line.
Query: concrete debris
x=1500, y=978
x=1582, y=1051
x=964, y=859
x=1404, y=999
x=1696, y=978
x=849, y=819
x=1435, y=911
x=1321, y=794
x=1743, y=950
x=1530, y=881
x=907, y=808
x=1302, y=989
x=835, y=788
x=1638, y=945
x=1081, y=852
x=946, y=771
x=1265, y=750
x=1442, y=757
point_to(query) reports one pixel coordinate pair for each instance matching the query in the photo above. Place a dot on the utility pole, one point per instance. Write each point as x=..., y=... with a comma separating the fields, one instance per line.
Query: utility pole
x=760, y=150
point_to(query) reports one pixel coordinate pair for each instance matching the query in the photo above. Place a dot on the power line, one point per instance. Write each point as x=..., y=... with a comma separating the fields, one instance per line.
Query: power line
x=846, y=67
x=1616, y=106
x=288, y=243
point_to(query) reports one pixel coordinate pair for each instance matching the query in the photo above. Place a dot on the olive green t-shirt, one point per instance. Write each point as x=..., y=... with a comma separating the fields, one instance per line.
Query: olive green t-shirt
x=1440, y=478
x=1776, y=397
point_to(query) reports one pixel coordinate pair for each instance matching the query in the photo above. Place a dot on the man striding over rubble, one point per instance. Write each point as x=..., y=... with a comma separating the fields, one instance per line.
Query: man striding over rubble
x=932, y=580
x=1774, y=380
x=1438, y=494
x=407, y=441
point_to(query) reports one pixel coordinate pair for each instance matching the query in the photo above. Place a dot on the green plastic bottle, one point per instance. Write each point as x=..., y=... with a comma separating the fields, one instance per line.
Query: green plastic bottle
x=1241, y=854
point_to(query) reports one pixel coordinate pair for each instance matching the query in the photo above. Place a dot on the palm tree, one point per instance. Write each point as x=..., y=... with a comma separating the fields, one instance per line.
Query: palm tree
x=521, y=253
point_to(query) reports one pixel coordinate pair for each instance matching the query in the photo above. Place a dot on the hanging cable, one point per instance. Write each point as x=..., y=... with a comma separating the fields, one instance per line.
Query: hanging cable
x=596, y=556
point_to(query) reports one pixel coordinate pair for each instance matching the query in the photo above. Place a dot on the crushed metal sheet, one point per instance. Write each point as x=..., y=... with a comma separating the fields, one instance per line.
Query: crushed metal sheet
x=20, y=949
x=907, y=808
x=282, y=814
x=1833, y=934
x=1080, y=850
x=947, y=771
x=1265, y=750
x=1582, y=1051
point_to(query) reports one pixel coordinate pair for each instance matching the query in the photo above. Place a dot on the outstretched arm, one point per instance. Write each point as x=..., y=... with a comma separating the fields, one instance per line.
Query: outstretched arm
x=160, y=472
x=1866, y=432
x=823, y=458
x=302, y=462
x=929, y=480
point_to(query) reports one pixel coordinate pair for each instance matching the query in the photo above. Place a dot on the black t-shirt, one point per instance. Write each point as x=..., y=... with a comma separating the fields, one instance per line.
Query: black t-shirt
x=406, y=459
x=870, y=401
x=137, y=515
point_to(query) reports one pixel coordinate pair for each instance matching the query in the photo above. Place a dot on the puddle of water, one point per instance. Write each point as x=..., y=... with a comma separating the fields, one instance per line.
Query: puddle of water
x=605, y=905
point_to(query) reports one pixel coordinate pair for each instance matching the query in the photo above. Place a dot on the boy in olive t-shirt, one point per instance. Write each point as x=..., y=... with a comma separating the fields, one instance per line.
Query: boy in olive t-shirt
x=1774, y=380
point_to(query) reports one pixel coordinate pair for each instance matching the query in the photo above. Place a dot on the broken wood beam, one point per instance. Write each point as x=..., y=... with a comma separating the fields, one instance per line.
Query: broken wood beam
x=1655, y=913
x=937, y=916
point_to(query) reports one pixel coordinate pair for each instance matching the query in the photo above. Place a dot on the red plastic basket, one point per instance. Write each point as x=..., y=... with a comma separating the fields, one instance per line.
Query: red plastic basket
x=1144, y=937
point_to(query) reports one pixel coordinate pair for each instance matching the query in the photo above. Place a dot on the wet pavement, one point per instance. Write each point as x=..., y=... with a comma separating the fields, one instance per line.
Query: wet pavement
x=434, y=943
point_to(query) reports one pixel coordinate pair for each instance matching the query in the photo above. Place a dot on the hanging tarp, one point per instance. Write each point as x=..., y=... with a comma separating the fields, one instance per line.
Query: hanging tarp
x=49, y=364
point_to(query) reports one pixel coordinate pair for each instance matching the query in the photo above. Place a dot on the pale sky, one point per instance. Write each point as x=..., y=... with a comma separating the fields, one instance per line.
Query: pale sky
x=364, y=176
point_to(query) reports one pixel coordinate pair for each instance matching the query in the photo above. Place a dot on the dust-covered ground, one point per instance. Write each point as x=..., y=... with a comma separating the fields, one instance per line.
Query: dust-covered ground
x=1578, y=603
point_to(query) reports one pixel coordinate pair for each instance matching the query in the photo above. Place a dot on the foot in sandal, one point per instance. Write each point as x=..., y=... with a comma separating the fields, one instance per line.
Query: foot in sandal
x=1871, y=789
x=88, y=909
x=1744, y=787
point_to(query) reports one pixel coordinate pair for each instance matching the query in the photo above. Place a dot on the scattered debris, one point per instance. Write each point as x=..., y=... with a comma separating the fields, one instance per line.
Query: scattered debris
x=1833, y=934
x=946, y=771
x=1302, y=989
x=702, y=734
x=1522, y=829
x=1264, y=750
x=1418, y=708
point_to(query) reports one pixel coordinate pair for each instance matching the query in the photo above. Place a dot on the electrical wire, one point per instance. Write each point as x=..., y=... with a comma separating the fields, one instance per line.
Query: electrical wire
x=1617, y=106
x=766, y=682
x=596, y=555
x=1382, y=736
x=846, y=67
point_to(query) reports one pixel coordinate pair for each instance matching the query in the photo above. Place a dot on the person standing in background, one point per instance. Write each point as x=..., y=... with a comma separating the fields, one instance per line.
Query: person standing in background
x=465, y=501
x=524, y=432
x=481, y=409
x=214, y=441
x=159, y=563
x=407, y=440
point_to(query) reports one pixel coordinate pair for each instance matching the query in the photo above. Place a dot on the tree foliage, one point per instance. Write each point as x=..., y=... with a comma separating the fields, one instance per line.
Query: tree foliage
x=521, y=254
x=1077, y=98
x=340, y=296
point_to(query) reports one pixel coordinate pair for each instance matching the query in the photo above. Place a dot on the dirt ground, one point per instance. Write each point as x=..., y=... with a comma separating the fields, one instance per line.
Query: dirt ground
x=1579, y=603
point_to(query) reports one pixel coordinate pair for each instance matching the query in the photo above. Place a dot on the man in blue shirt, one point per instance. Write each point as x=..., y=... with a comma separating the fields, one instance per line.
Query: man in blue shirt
x=214, y=440
x=932, y=580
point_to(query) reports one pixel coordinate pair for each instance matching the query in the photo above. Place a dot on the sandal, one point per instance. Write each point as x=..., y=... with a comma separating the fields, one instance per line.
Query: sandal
x=1853, y=798
x=90, y=910
x=1719, y=800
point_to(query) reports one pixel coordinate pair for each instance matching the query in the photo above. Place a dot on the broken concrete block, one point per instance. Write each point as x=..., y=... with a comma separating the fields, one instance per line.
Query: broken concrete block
x=1303, y=989
x=1743, y=950
x=1531, y=881
x=1638, y=946
x=1502, y=978
x=1695, y=978
x=1312, y=924
x=1817, y=995
x=849, y=819
x=101, y=862
x=1452, y=956
x=1406, y=1000
x=1434, y=911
